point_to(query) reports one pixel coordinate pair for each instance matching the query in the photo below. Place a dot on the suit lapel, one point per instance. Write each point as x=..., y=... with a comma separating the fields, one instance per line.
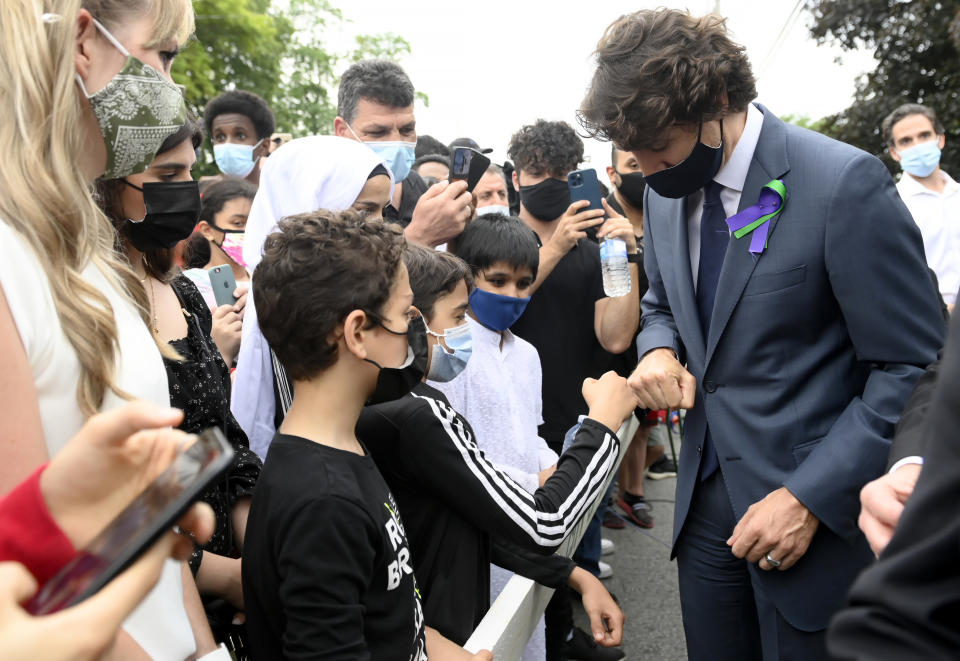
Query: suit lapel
x=769, y=162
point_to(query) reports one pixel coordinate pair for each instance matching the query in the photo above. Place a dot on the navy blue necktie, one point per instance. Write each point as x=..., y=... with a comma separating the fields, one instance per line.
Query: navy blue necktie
x=714, y=237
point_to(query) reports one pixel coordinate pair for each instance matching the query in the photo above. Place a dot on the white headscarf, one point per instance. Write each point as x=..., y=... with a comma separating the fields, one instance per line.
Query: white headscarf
x=304, y=175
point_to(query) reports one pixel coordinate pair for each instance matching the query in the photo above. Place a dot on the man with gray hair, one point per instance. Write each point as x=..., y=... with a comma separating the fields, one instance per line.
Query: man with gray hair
x=375, y=106
x=915, y=138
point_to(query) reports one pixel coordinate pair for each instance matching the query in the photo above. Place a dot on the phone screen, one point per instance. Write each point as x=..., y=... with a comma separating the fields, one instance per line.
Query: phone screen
x=468, y=165
x=138, y=526
x=461, y=163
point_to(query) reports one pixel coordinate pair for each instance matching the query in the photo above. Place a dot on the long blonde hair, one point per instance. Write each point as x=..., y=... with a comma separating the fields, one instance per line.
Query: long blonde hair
x=44, y=195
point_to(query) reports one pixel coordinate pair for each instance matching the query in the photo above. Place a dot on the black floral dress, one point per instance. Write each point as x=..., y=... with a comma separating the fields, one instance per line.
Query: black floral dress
x=200, y=386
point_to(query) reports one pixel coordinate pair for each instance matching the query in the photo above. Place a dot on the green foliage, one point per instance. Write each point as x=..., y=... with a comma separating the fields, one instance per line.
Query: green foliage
x=804, y=121
x=277, y=51
x=917, y=62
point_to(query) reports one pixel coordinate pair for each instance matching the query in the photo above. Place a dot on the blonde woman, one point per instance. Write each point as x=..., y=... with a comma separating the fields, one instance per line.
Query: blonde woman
x=85, y=91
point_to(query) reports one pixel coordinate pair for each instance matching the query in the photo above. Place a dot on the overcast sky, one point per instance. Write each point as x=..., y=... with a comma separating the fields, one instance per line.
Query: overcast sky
x=492, y=66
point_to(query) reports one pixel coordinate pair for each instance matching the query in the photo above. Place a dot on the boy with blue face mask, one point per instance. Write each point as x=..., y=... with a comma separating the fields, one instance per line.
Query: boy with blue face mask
x=500, y=391
x=461, y=511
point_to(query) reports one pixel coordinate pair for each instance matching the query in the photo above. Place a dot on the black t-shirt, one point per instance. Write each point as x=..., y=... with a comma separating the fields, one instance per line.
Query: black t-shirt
x=453, y=500
x=326, y=564
x=558, y=321
x=413, y=187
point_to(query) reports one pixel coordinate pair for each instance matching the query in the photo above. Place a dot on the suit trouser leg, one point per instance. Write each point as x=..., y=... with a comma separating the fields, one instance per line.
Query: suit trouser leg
x=727, y=615
x=782, y=642
x=716, y=595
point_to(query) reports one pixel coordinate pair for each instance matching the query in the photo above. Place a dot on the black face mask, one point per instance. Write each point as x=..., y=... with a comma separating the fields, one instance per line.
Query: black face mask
x=632, y=185
x=547, y=200
x=692, y=174
x=395, y=382
x=173, y=209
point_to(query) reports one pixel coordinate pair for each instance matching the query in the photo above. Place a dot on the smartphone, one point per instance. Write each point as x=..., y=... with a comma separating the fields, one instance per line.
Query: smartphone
x=200, y=464
x=468, y=165
x=224, y=284
x=583, y=185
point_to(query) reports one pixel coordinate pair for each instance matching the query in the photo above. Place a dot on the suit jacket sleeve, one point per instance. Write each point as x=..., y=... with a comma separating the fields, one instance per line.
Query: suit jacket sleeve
x=875, y=262
x=905, y=606
x=909, y=439
x=658, y=327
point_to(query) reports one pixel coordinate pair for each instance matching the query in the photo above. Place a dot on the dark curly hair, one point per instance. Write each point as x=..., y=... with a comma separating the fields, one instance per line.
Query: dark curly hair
x=381, y=81
x=552, y=148
x=243, y=103
x=658, y=68
x=316, y=269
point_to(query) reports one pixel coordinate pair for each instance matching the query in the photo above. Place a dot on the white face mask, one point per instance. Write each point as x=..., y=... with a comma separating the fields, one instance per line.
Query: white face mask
x=493, y=208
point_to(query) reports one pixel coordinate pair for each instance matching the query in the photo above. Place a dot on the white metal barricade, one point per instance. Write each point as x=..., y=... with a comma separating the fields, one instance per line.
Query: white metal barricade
x=510, y=622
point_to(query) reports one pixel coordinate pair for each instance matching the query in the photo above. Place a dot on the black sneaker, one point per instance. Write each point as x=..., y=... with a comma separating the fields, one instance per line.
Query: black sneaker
x=638, y=513
x=582, y=647
x=662, y=468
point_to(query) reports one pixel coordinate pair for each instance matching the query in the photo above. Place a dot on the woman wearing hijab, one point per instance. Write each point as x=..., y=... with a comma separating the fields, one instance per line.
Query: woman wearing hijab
x=308, y=174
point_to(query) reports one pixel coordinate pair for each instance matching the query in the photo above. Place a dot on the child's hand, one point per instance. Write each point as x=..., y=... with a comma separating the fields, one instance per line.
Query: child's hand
x=610, y=399
x=606, y=618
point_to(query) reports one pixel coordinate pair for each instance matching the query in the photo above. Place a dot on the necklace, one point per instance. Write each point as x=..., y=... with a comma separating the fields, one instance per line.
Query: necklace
x=153, y=306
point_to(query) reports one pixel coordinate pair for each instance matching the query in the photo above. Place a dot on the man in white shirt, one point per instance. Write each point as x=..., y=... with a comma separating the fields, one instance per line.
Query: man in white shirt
x=915, y=137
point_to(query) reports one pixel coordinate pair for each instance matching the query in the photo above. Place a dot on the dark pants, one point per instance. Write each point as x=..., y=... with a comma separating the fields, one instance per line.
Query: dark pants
x=587, y=555
x=726, y=614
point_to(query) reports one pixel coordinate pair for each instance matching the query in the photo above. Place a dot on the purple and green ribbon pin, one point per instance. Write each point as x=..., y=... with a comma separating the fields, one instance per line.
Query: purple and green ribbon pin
x=756, y=219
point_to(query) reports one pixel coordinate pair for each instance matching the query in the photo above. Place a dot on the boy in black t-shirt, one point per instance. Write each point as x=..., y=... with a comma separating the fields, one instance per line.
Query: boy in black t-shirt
x=326, y=565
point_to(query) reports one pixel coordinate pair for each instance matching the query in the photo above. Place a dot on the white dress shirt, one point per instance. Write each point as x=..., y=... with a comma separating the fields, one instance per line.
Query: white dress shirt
x=731, y=176
x=938, y=217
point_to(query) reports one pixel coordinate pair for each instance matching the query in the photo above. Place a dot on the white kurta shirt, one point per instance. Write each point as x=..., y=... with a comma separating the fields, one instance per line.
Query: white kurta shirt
x=499, y=395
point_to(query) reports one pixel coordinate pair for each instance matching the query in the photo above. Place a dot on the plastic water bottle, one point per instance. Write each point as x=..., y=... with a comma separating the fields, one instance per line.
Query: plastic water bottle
x=616, y=270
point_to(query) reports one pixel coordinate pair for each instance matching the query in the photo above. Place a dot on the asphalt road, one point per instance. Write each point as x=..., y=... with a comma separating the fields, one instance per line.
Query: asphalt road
x=645, y=581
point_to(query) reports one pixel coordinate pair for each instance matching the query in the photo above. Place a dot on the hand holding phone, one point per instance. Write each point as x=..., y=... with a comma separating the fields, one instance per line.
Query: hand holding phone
x=139, y=525
x=583, y=185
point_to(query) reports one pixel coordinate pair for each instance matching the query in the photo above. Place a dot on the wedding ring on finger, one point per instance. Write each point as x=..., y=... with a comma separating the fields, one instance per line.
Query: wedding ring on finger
x=773, y=563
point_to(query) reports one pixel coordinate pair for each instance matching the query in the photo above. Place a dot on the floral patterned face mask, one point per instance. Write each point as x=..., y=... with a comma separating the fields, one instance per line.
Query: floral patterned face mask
x=137, y=110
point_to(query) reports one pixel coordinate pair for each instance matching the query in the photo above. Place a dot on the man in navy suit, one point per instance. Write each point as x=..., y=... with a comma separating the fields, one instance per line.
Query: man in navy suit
x=794, y=346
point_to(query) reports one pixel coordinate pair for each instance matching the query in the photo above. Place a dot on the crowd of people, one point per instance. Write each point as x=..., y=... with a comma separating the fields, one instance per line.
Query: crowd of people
x=422, y=381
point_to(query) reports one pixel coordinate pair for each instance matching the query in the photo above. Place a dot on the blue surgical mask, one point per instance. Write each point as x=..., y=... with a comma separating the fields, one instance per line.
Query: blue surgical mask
x=445, y=366
x=495, y=311
x=921, y=160
x=493, y=208
x=235, y=160
x=398, y=155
